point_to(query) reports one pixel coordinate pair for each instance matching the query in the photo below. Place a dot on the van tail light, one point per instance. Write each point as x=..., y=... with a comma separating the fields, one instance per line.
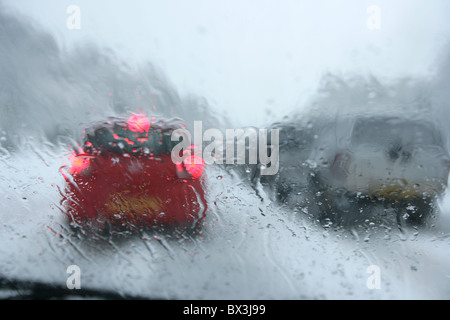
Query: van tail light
x=341, y=165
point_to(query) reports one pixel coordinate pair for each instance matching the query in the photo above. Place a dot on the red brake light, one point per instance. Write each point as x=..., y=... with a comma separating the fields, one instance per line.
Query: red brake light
x=192, y=165
x=78, y=162
x=138, y=123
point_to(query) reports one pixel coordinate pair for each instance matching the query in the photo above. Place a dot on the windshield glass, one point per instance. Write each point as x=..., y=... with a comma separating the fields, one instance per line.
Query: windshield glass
x=192, y=149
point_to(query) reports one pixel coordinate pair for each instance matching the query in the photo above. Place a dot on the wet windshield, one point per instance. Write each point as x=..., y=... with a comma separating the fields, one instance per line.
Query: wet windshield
x=190, y=150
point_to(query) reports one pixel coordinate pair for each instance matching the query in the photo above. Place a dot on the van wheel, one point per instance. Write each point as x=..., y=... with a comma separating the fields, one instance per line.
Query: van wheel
x=339, y=208
x=416, y=212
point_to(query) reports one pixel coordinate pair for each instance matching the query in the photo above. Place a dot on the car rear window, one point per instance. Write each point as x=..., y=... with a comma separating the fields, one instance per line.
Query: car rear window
x=382, y=131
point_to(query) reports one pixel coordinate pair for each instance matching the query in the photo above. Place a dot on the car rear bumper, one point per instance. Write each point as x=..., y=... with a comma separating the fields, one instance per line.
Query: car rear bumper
x=400, y=189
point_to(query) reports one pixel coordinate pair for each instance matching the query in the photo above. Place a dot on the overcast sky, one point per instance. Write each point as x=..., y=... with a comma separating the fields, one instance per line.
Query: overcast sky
x=248, y=56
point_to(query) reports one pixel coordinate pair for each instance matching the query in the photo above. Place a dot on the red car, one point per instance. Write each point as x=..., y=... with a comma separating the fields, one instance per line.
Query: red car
x=123, y=177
